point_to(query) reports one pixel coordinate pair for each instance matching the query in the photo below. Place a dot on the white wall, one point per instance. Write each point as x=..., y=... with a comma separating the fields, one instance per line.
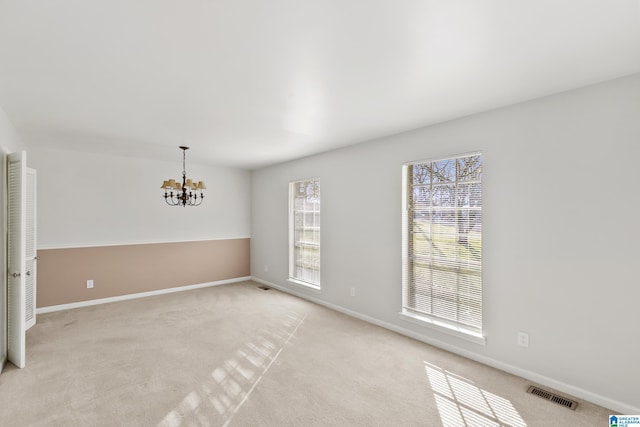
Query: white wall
x=9, y=143
x=95, y=199
x=560, y=239
x=9, y=140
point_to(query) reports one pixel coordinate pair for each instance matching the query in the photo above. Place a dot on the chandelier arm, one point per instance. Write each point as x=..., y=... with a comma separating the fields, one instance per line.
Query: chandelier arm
x=170, y=198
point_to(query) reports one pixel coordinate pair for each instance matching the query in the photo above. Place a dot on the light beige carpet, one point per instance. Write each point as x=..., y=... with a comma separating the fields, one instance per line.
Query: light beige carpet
x=240, y=356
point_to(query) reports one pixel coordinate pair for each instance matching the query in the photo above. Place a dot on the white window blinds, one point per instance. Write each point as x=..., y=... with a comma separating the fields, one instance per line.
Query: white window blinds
x=443, y=241
x=304, y=232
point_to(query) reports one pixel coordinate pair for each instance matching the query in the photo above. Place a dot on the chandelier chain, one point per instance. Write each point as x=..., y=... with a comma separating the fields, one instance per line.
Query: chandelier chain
x=184, y=161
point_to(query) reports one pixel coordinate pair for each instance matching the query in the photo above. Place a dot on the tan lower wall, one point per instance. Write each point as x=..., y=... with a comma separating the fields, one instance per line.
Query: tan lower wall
x=129, y=269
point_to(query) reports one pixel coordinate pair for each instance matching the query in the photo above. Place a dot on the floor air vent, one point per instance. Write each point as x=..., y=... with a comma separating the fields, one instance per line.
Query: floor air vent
x=555, y=398
x=264, y=288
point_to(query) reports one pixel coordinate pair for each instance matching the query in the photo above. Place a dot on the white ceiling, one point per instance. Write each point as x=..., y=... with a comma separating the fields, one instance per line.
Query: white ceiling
x=247, y=83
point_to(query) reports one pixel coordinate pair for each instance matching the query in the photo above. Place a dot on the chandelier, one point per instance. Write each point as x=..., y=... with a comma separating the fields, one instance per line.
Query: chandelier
x=189, y=193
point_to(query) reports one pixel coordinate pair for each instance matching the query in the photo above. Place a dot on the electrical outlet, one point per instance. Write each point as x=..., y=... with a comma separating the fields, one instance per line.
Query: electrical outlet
x=523, y=339
x=89, y=284
x=352, y=291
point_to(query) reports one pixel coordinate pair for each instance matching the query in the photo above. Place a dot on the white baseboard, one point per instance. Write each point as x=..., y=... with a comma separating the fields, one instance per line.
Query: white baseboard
x=53, y=308
x=619, y=407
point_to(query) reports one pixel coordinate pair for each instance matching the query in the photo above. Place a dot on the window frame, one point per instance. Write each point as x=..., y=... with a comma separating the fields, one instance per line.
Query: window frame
x=293, y=277
x=412, y=314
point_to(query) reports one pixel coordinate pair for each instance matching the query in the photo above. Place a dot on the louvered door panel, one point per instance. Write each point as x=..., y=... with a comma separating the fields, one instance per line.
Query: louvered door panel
x=16, y=220
x=30, y=249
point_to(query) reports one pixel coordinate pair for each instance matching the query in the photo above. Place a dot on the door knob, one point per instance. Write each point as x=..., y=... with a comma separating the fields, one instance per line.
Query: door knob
x=28, y=273
x=16, y=274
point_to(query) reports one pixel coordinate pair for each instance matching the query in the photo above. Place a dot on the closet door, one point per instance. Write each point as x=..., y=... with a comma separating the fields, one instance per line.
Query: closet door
x=16, y=259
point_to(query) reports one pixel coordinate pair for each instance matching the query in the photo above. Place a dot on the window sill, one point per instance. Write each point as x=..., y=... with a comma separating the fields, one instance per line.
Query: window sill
x=315, y=288
x=455, y=331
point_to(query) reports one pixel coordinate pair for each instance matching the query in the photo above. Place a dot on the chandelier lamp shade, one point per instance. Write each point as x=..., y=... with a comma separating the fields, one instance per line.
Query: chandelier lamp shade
x=189, y=193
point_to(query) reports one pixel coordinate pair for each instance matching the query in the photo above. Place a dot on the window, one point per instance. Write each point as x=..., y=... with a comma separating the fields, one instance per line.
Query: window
x=304, y=232
x=442, y=243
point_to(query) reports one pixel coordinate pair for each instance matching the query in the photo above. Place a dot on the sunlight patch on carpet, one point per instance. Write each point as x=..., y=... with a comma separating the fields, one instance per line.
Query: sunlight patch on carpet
x=462, y=403
x=230, y=384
